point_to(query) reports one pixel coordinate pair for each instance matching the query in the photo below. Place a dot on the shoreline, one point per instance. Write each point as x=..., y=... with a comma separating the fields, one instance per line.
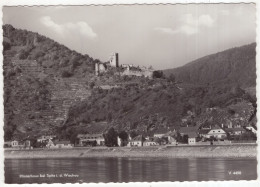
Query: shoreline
x=215, y=151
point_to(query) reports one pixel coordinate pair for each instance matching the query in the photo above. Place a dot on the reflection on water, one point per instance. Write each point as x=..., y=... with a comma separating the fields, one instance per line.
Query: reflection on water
x=129, y=169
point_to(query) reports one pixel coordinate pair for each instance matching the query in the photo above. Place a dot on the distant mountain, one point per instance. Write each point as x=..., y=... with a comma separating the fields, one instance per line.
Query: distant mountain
x=236, y=66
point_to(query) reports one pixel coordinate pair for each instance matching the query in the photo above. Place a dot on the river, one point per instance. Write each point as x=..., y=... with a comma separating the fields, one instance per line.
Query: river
x=72, y=170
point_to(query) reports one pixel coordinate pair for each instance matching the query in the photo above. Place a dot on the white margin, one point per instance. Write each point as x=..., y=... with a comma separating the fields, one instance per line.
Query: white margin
x=255, y=183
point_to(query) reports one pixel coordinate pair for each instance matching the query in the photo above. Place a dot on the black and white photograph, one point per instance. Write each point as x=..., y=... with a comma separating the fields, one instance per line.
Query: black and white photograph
x=129, y=93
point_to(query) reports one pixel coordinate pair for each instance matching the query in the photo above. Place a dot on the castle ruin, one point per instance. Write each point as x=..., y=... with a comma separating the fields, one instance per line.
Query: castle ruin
x=114, y=60
x=100, y=68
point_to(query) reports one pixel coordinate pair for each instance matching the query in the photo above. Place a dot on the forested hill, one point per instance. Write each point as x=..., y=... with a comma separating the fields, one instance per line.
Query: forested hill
x=27, y=45
x=236, y=66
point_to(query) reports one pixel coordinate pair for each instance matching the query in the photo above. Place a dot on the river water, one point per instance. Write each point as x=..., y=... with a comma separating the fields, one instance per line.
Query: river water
x=72, y=170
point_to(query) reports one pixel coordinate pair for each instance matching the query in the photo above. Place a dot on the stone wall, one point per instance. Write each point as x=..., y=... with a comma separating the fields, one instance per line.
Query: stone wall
x=148, y=74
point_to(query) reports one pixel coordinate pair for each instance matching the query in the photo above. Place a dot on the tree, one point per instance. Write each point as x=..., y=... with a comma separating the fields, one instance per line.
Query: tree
x=247, y=136
x=109, y=117
x=73, y=138
x=111, y=138
x=171, y=78
x=185, y=138
x=66, y=73
x=23, y=54
x=157, y=74
x=123, y=135
x=133, y=134
x=33, y=142
x=6, y=45
x=91, y=85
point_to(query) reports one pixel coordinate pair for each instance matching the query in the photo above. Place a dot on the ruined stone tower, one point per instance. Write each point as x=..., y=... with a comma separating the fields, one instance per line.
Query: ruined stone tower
x=100, y=68
x=114, y=61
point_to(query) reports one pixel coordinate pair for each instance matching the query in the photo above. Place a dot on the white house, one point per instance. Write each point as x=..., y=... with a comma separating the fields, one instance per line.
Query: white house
x=216, y=132
x=59, y=144
x=45, y=138
x=192, y=141
x=86, y=138
x=136, y=142
x=192, y=138
x=21, y=144
x=150, y=143
x=14, y=143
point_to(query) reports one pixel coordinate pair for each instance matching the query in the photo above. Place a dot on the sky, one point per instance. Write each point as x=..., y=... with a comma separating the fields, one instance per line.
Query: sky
x=163, y=36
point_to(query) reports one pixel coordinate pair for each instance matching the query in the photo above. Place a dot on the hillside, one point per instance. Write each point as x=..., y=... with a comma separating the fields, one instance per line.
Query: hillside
x=42, y=78
x=236, y=66
x=50, y=89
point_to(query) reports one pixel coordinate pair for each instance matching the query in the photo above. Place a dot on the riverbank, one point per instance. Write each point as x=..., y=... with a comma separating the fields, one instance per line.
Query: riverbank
x=157, y=151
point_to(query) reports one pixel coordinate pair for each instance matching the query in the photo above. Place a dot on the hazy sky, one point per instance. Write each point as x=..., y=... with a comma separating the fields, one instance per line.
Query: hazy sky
x=164, y=36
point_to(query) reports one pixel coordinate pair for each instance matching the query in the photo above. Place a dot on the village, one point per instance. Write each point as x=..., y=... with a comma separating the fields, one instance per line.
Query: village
x=190, y=135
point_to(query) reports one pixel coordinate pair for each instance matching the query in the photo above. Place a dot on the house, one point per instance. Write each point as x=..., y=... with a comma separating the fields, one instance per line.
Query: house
x=59, y=144
x=159, y=133
x=14, y=143
x=235, y=131
x=136, y=142
x=91, y=139
x=188, y=130
x=45, y=138
x=192, y=138
x=26, y=144
x=171, y=137
x=191, y=132
x=150, y=143
x=203, y=133
x=252, y=128
x=216, y=132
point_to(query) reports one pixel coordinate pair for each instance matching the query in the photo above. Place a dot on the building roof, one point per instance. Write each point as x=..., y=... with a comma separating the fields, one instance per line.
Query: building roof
x=172, y=134
x=186, y=130
x=90, y=135
x=235, y=129
x=137, y=138
x=215, y=127
x=204, y=131
x=192, y=135
x=161, y=131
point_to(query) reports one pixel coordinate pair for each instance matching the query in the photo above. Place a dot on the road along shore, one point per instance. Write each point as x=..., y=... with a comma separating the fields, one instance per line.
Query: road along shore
x=217, y=151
